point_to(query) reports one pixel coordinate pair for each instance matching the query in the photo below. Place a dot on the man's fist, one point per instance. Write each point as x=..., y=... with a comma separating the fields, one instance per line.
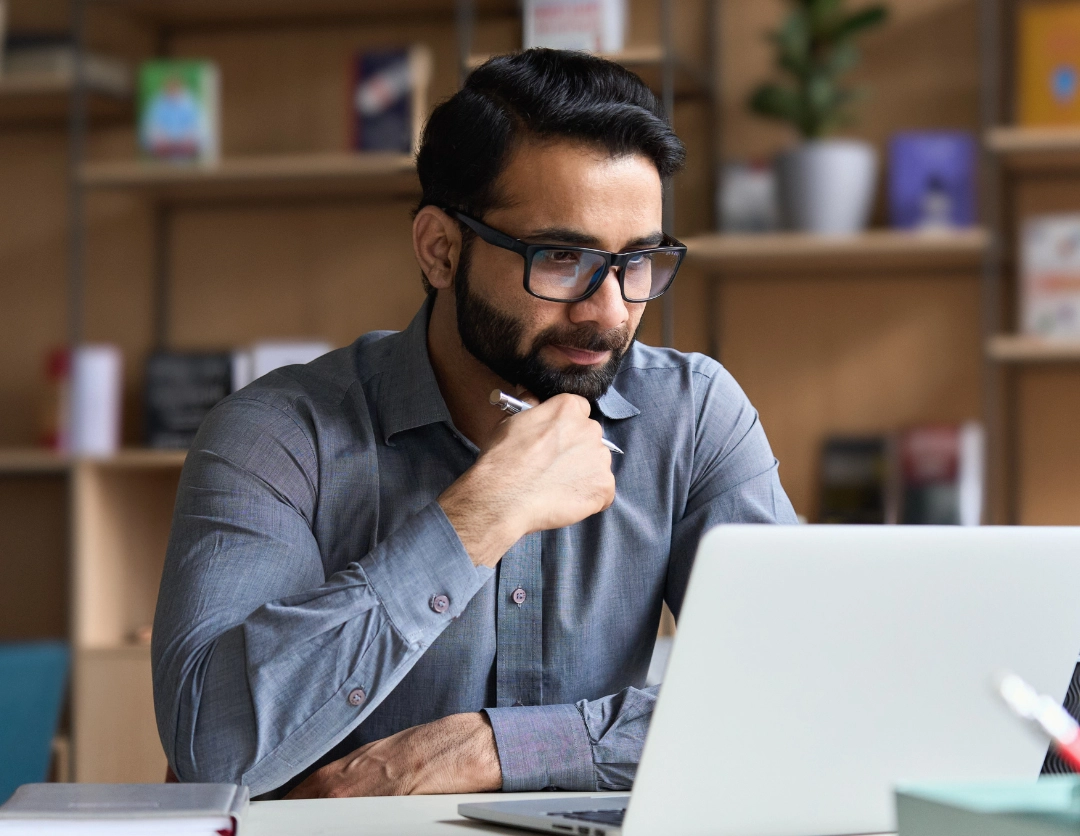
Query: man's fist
x=545, y=468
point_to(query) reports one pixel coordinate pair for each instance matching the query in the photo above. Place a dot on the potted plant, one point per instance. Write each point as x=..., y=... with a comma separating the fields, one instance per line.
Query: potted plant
x=826, y=185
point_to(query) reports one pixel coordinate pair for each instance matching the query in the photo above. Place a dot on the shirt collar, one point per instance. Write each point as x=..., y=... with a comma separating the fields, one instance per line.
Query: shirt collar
x=413, y=397
x=614, y=405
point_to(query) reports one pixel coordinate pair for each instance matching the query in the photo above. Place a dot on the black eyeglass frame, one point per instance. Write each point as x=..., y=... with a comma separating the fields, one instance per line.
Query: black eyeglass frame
x=499, y=239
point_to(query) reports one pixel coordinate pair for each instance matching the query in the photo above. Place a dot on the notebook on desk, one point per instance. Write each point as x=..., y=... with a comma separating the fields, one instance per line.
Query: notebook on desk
x=814, y=667
x=124, y=810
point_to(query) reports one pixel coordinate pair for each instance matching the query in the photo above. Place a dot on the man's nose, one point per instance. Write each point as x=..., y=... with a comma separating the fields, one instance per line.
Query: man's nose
x=605, y=307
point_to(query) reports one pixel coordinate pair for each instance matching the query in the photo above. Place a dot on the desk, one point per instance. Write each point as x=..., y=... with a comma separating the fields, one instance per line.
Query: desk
x=416, y=815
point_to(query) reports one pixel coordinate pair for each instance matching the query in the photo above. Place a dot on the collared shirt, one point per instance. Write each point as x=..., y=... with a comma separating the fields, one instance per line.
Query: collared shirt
x=316, y=598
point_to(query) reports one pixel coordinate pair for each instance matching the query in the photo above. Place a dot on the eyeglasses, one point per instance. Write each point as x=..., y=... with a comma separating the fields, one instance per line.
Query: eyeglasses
x=560, y=273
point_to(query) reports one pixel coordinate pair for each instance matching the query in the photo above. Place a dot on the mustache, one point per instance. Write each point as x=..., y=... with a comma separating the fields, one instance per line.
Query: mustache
x=583, y=338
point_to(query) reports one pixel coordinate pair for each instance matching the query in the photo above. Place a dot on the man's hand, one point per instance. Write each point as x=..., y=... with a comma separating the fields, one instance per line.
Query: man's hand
x=546, y=468
x=456, y=754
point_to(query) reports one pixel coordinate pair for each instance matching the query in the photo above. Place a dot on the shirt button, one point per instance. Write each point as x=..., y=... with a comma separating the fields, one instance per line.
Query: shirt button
x=440, y=603
x=356, y=696
x=518, y=596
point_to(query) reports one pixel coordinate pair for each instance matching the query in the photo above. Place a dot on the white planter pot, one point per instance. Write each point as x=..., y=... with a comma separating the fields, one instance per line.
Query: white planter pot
x=827, y=186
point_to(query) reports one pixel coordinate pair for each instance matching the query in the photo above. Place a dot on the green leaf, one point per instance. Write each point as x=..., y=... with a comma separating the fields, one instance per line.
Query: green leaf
x=776, y=102
x=843, y=59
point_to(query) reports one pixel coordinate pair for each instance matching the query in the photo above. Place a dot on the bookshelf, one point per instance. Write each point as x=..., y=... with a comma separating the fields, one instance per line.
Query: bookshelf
x=648, y=62
x=280, y=176
x=277, y=241
x=1035, y=149
x=877, y=249
x=1032, y=383
x=1021, y=349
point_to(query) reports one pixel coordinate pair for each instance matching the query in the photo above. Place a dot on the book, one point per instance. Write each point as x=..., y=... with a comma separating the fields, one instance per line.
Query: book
x=932, y=177
x=855, y=486
x=179, y=111
x=587, y=25
x=181, y=389
x=125, y=810
x=941, y=474
x=1049, y=806
x=97, y=390
x=264, y=357
x=389, y=98
x=1048, y=64
x=1050, y=276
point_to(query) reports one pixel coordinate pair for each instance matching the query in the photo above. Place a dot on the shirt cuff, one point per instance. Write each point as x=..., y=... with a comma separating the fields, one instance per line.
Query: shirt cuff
x=543, y=747
x=423, y=576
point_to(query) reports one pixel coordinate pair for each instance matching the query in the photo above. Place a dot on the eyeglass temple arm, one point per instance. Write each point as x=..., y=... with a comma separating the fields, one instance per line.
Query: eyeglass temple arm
x=486, y=233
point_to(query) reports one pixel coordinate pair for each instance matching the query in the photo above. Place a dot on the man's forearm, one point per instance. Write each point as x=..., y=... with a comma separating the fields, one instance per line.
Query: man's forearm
x=232, y=706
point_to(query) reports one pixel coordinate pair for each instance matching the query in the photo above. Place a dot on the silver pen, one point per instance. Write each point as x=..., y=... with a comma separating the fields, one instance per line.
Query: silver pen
x=513, y=406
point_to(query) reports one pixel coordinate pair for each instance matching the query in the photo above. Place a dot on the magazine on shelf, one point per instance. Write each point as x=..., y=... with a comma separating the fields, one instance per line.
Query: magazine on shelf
x=1050, y=276
x=588, y=25
x=179, y=111
x=1048, y=65
x=390, y=98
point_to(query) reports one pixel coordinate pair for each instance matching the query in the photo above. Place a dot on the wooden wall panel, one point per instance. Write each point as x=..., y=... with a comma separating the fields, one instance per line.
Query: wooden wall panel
x=33, y=557
x=33, y=282
x=115, y=738
x=1049, y=445
x=849, y=354
x=328, y=271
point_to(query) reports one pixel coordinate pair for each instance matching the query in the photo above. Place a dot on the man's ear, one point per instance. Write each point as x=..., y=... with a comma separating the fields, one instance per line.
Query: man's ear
x=437, y=244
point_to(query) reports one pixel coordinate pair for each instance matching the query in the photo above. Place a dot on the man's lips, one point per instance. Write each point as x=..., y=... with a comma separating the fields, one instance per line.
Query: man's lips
x=582, y=357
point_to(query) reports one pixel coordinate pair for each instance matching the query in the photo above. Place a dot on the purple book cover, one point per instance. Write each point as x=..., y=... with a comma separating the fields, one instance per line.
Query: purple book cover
x=932, y=178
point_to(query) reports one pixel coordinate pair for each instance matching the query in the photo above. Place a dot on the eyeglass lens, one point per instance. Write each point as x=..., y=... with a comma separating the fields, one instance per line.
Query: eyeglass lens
x=566, y=274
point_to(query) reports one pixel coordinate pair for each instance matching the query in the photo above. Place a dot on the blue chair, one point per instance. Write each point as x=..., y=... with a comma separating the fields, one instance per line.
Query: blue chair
x=32, y=680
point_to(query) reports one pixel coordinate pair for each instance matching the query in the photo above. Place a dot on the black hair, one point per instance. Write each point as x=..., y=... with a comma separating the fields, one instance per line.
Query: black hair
x=542, y=94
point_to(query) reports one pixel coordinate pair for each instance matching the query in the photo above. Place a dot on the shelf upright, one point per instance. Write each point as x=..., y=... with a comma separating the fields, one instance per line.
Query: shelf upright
x=998, y=495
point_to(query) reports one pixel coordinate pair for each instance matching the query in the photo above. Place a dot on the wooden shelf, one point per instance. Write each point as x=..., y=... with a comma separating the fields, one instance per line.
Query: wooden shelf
x=1036, y=148
x=198, y=13
x=880, y=249
x=140, y=458
x=1022, y=349
x=381, y=175
x=47, y=98
x=647, y=62
x=30, y=461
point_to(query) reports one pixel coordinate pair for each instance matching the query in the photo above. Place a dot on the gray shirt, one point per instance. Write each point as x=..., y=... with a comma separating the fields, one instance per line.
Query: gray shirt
x=315, y=597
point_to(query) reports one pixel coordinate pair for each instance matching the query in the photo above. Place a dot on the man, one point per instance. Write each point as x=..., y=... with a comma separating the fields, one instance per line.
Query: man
x=378, y=583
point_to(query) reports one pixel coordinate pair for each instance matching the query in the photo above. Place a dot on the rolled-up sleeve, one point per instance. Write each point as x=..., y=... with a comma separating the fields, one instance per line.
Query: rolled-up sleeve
x=261, y=663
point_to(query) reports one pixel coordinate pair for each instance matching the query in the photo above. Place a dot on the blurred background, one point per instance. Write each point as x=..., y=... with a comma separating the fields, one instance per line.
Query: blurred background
x=881, y=204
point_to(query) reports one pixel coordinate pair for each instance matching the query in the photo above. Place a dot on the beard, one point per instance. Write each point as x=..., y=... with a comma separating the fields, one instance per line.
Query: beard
x=493, y=337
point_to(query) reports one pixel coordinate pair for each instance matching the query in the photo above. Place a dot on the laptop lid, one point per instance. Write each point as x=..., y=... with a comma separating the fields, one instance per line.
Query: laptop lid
x=817, y=666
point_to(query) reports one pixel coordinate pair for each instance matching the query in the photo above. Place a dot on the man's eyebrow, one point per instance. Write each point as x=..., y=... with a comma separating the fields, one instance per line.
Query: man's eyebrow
x=576, y=238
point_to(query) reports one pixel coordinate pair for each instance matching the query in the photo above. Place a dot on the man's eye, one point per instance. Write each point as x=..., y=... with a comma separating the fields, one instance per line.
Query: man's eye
x=562, y=256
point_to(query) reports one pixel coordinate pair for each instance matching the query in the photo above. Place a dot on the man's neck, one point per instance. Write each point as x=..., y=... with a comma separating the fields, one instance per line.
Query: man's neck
x=465, y=382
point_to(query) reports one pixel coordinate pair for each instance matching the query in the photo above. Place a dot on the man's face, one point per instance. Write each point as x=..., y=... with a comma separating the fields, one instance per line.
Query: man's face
x=561, y=193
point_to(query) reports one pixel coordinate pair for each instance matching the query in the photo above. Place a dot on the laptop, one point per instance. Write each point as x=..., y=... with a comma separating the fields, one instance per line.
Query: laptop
x=817, y=666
